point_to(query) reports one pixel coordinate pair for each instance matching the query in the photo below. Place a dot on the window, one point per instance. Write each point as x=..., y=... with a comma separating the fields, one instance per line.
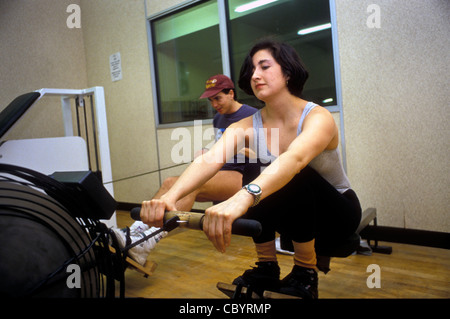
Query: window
x=187, y=52
x=186, y=45
x=282, y=20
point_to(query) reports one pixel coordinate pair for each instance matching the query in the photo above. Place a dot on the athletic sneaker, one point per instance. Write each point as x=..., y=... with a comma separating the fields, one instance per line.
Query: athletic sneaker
x=266, y=276
x=140, y=252
x=301, y=282
x=139, y=227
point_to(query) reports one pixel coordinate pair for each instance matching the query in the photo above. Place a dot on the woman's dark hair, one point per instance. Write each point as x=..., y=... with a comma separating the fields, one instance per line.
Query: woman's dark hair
x=286, y=56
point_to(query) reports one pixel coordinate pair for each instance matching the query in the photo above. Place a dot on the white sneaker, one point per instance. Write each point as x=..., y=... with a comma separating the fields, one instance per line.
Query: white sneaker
x=139, y=227
x=140, y=252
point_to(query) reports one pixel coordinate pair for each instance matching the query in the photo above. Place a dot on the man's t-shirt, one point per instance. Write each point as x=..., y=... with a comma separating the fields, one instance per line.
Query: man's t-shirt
x=221, y=122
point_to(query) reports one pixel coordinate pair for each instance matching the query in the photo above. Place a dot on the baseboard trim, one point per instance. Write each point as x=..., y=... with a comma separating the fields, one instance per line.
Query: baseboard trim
x=125, y=206
x=407, y=236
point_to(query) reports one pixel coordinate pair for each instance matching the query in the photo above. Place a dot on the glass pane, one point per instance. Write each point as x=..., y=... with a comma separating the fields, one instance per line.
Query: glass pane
x=282, y=20
x=187, y=53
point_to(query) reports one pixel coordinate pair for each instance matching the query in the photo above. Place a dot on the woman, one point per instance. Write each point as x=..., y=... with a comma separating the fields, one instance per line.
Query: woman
x=302, y=192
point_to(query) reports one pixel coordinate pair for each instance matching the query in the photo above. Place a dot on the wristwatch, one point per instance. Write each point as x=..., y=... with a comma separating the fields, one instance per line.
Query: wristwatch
x=254, y=190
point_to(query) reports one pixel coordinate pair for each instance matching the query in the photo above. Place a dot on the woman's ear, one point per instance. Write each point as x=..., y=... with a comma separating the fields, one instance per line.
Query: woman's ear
x=287, y=79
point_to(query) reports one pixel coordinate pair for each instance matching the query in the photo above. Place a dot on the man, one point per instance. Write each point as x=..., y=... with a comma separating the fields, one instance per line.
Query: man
x=220, y=91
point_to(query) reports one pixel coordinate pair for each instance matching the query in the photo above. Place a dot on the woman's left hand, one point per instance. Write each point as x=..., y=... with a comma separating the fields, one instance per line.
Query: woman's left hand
x=219, y=218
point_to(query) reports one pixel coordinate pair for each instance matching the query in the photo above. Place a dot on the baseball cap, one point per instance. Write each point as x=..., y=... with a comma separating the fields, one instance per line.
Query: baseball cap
x=216, y=84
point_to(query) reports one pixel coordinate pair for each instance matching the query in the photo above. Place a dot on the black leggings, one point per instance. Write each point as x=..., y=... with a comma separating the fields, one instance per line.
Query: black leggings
x=307, y=207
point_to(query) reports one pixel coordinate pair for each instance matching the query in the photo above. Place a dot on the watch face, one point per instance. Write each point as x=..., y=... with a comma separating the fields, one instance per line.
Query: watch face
x=254, y=188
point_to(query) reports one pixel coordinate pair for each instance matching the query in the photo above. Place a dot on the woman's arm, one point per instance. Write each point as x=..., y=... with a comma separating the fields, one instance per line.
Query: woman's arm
x=198, y=172
x=319, y=132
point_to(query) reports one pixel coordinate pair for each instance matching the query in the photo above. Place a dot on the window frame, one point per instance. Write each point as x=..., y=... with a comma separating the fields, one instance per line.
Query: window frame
x=226, y=61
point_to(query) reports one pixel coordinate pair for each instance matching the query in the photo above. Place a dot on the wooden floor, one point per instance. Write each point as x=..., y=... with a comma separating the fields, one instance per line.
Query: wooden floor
x=188, y=266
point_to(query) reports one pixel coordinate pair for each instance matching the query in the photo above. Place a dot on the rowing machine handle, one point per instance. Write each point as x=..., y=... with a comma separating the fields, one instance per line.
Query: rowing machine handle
x=241, y=226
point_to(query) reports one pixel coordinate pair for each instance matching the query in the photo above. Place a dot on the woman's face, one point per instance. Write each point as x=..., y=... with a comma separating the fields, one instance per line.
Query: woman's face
x=268, y=79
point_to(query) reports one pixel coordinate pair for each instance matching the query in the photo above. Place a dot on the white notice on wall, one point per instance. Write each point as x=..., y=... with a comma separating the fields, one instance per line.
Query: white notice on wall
x=115, y=65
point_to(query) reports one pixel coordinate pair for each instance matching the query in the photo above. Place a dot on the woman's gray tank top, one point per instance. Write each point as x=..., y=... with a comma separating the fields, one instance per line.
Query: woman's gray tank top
x=328, y=163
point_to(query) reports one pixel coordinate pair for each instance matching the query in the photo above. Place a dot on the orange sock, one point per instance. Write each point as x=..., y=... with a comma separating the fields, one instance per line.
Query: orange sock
x=266, y=251
x=305, y=254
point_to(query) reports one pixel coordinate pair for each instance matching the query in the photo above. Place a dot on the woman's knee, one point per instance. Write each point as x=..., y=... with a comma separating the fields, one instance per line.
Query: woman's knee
x=168, y=182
